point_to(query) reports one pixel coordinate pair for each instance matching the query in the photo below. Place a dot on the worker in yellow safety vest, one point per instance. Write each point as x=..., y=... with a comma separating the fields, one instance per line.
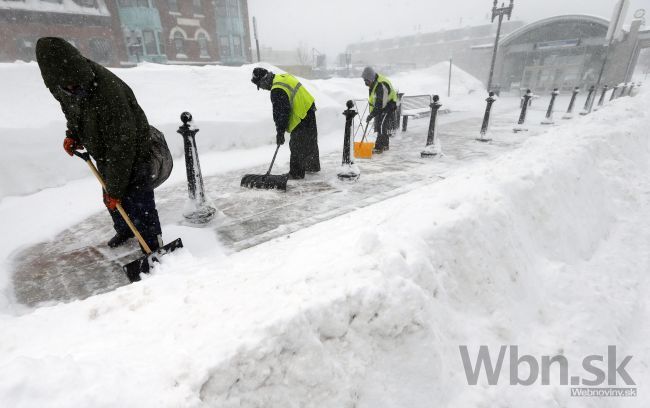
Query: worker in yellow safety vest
x=382, y=102
x=294, y=112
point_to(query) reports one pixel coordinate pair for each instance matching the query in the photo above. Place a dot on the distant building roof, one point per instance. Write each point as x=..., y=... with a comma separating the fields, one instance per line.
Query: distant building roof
x=571, y=18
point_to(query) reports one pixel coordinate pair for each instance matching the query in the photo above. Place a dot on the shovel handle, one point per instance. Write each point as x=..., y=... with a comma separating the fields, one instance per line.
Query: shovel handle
x=365, y=130
x=273, y=161
x=86, y=157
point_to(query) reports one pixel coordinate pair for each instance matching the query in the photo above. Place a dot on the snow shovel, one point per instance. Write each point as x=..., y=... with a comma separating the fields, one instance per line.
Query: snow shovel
x=266, y=181
x=143, y=264
x=363, y=149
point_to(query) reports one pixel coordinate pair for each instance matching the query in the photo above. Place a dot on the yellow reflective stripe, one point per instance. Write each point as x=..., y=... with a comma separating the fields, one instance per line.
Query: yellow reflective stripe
x=291, y=90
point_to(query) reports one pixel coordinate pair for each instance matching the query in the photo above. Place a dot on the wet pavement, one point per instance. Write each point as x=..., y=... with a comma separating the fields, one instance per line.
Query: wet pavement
x=77, y=263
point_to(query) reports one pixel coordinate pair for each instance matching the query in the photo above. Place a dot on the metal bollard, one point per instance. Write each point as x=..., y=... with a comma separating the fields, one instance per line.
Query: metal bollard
x=405, y=123
x=349, y=171
x=632, y=85
x=199, y=212
x=601, y=100
x=432, y=148
x=548, y=120
x=585, y=109
x=614, y=89
x=569, y=111
x=623, y=90
x=486, y=118
x=398, y=120
x=525, y=101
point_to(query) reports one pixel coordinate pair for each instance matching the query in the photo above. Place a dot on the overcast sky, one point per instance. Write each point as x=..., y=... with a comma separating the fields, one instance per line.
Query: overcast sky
x=329, y=25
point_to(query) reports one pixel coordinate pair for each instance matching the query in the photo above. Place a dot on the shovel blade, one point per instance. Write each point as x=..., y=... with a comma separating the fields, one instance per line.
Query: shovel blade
x=265, y=181
x=143, y=264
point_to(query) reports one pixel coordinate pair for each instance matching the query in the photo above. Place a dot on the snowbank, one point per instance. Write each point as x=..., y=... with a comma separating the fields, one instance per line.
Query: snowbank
x=545, y=248
x=227, y=108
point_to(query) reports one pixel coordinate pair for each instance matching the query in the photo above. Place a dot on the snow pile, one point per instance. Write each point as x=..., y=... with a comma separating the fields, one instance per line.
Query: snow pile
x=545, y=248
x=426, y=81
x=229, y=111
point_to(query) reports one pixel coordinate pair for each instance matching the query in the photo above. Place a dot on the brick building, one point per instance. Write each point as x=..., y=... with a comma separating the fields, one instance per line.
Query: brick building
x=85, y=23
x=124, y=32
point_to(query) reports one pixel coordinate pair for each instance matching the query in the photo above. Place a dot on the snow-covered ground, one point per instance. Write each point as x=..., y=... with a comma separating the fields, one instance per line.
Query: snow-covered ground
x=545, y=247
x=227, y=108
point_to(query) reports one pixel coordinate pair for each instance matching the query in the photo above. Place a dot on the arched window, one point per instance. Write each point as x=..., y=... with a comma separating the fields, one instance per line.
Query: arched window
x=203, y=45
x=179, y=44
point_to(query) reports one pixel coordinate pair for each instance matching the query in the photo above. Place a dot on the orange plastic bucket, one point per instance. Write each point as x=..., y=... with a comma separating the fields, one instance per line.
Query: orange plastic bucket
x=363, y=150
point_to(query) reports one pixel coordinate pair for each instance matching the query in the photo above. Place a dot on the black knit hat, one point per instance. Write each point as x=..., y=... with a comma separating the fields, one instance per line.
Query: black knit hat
x=258, y=75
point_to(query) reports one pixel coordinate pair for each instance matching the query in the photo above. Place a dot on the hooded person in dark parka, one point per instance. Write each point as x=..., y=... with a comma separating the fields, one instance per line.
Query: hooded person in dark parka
x=103, y=116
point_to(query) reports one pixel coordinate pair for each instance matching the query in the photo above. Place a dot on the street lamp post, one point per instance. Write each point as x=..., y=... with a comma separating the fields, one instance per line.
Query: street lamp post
x=498, y=12
x=257, y=41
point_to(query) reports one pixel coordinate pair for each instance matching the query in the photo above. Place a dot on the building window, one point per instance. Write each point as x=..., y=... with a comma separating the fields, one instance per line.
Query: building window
x=224, y=46
x=149, y=42
x=222, y=11
x=197, y=7
x=100, y=50
x=173, y=6
x=233, y=8
x=236, y=46
x=203, y=46
x=86, y=3
x=26, y=49
x=161, y=43
x=179, y=44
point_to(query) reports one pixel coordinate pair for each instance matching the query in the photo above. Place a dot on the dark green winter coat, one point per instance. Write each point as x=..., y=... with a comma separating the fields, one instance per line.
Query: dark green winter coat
x=106, y=117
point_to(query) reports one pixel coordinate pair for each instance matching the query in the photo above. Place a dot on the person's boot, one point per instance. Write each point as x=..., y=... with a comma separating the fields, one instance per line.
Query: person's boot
x=118, y=240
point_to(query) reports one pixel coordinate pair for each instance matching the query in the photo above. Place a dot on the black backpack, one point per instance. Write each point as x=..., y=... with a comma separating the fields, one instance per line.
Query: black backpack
x=161, y=158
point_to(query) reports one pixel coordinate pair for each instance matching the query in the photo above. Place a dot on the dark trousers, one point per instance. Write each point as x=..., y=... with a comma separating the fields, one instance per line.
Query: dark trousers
x=304, y=147
x=140, y=206
x=385, y=127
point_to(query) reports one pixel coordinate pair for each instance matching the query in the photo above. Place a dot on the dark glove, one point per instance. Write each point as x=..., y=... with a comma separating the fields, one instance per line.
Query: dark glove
x=368, y=119
x=279, y=138
x=70, y=144
x=111, y=202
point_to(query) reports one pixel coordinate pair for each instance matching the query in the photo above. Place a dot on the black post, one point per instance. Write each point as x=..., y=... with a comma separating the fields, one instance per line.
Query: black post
x=486, y=118
x=405, y=123
x=585, y=110
x=623, y=90
x=400, y=95
x=524, y=109
x=202, y=212
x=430, y=150
x=257, y=42
x=613, y=96
x=569, y=111
x=349, y=171
x=500, y=12
x=601, y=100
x=549, y=112
x=451, y=61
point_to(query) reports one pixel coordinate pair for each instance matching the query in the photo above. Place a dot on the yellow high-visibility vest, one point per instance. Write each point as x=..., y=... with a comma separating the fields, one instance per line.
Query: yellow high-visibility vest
x=299, y=98
x=392, y=95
